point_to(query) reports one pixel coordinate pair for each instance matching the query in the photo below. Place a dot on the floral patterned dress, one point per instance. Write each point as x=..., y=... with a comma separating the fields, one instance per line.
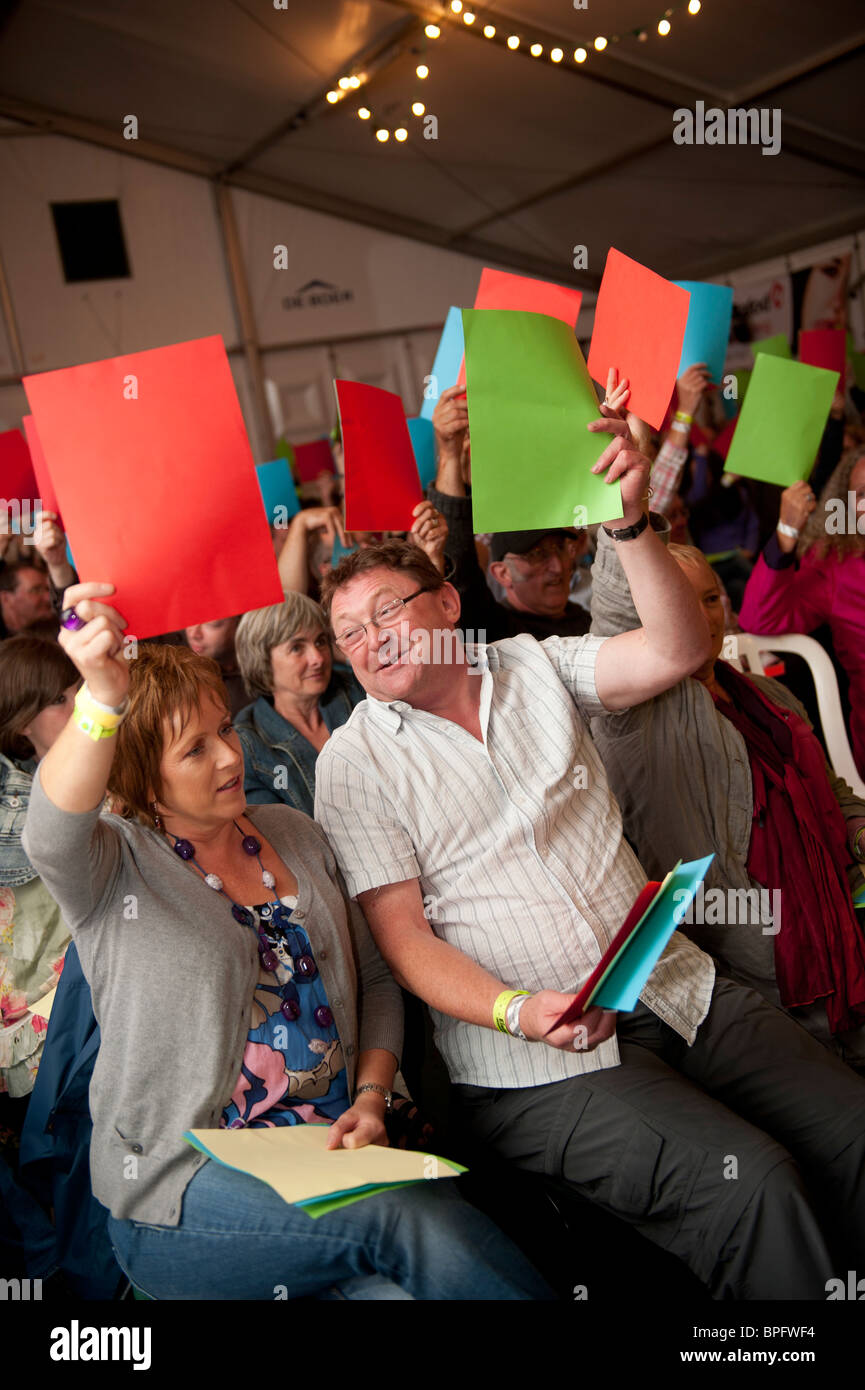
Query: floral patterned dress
x=33, y=941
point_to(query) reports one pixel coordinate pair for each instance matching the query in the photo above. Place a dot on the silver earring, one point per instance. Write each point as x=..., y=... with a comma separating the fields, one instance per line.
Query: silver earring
x=157, y=823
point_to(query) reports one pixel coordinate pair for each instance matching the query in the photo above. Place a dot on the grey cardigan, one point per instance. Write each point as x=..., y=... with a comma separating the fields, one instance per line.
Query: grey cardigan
x=172, y=977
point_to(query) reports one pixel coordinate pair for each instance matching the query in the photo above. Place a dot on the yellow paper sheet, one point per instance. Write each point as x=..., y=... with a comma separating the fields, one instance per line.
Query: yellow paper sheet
x=293, y=1161
x=43, y=1007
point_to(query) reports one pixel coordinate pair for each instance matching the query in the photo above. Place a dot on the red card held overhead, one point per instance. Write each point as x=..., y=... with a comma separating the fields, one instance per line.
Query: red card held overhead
x=640, y=321
x=382, y=486
x=824, y=347
x=499, y=289
x=313, y=459
x=47, y=494
x=155, y=479
x=17, y=479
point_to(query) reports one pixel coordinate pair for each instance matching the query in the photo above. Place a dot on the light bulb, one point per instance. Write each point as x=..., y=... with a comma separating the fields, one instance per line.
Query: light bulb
x=642, y=36
x=382, y=135
x=600, y=43
x=354, y=82
x=513, y=41
x=422, y=70
x=556, y=55
x=580, y=55
x=664, y=27
x=364, y=113
x=468, y=17
x=345, y=83
x=417, y=108
x=332, y=97
x=456, y=6
x=693, y=6
x=489, y=31
x=536, y=50
x=401, y=134
x=432, y=31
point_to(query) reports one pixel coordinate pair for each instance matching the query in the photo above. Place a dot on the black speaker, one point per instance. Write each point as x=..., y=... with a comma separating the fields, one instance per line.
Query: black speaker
x=91, y=242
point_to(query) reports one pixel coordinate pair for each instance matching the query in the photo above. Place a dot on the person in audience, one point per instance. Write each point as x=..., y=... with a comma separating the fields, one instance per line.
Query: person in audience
x=37, y=689
x=286, y=660
x=812, y=571
x=472, y=819
x=307, y=553
x=534, y=568
x=217, y=640
x=234, y=986
x=727, y=764
x=25, y=597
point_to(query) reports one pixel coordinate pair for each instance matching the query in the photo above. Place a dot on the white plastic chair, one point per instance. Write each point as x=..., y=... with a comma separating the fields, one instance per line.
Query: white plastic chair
x=753, y=648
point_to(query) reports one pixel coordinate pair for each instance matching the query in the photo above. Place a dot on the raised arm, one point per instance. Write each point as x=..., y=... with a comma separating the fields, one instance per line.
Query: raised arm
x=293, y=558
x=673, y=640
x=779, y=597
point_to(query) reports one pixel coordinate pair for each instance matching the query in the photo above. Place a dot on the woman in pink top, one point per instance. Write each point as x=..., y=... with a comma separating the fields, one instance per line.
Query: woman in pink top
x=812, y=571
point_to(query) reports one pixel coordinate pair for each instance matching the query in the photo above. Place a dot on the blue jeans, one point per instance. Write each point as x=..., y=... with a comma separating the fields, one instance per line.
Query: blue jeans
x=237, y=1239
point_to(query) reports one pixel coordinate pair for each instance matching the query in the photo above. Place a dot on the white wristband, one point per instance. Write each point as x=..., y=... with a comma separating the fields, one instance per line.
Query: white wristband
x=107, y=709
x=787, y=530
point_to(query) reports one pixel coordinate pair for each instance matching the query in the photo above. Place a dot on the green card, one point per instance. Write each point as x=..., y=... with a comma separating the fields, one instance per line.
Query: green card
x=530, y=398
x=781, y=421
x=776, y=346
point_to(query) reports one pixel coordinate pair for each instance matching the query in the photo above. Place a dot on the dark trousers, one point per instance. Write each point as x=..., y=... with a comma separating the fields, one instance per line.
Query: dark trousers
x=743, y=1155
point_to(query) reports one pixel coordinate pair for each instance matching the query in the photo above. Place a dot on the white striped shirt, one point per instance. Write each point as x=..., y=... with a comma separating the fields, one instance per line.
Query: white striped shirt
x=517, y=843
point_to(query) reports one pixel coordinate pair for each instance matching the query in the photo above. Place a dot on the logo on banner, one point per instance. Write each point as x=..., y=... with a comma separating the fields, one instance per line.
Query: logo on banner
x=316, y=294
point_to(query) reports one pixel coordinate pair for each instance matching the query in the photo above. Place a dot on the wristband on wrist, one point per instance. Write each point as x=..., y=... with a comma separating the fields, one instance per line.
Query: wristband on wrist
x=501, y=1005
x=786, y=530
x=684, y=417
x=629, y=533
x=94, y=718
x=512, y=1017
x=680, y=427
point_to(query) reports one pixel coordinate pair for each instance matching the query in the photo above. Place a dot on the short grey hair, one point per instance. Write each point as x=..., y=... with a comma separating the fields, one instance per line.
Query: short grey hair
x=263, y=629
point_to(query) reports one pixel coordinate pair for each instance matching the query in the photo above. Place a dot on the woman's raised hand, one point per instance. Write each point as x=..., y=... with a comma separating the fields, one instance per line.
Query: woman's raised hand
x=96, y=649
x=797, y=504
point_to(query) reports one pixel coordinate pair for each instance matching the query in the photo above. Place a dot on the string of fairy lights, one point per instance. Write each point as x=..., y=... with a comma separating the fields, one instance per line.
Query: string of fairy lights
x=458, y=13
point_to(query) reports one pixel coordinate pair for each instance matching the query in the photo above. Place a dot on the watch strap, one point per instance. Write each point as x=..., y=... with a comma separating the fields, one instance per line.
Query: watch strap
x=629, y=533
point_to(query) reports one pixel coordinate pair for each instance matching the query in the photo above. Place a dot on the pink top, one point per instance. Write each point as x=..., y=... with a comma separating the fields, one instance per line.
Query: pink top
x=826, y=590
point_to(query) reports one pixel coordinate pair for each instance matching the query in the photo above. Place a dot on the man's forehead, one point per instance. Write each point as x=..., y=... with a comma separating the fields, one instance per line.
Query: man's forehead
x=363, y=586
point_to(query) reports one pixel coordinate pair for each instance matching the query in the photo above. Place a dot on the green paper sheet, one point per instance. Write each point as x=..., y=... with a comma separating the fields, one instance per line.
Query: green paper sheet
x=776, y=346
x=781, y=421
x=530, y=398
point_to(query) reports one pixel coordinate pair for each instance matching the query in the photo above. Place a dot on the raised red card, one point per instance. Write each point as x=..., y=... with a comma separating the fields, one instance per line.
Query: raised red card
x=500, y=289
x=155, y=479
x=824, y=347
x=47, y=494
x=382, y=486
x=640, y=321
x=17, y=479
x=313, y=459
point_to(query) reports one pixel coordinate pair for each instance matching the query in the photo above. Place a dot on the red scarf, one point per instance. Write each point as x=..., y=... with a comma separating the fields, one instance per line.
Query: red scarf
x=799, y=845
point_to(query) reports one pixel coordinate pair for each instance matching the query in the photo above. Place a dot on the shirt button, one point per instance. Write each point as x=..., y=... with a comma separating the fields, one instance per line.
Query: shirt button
x=322, y=955
x=14, y=801
x=298, y=916
x=349, y=1051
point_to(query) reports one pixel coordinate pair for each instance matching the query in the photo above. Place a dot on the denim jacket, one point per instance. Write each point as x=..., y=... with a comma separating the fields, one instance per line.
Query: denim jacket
x=279, y=762
x=15, y=782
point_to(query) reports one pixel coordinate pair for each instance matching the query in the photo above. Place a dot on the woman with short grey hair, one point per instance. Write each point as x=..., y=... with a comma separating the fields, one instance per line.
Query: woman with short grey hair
x=286, y=659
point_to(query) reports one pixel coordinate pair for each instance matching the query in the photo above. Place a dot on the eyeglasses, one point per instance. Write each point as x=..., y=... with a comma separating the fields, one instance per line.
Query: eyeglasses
x=386, y=616
x=563, y=547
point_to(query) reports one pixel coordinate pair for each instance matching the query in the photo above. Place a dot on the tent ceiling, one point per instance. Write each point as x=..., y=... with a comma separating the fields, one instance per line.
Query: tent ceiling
x=530, y=159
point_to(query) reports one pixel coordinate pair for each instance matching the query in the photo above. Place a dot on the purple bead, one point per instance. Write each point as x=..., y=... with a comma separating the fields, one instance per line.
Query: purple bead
x=241, y=915
x=306, y=967
x=269, y=960
x=250, y=844
x=323, y=1016
x=290, y=1010
x=237, y=1124
x=184, y=849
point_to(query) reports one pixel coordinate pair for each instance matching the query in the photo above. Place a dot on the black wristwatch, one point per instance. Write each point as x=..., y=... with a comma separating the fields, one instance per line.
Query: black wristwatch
x=629, y=533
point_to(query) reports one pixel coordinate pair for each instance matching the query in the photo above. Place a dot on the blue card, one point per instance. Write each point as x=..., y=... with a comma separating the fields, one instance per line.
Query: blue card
x=448, y=360
x=623, y=983
x=277, y=490
x=859, y=898
x=423, y=442
x=707, y=332
x=340, y=551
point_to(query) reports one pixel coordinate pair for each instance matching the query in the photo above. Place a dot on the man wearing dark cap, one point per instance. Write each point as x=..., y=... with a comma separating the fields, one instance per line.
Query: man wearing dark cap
x=534, y=568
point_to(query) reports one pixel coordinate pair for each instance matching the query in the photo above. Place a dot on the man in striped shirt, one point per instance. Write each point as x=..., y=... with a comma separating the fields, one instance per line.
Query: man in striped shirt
x=472, y=819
